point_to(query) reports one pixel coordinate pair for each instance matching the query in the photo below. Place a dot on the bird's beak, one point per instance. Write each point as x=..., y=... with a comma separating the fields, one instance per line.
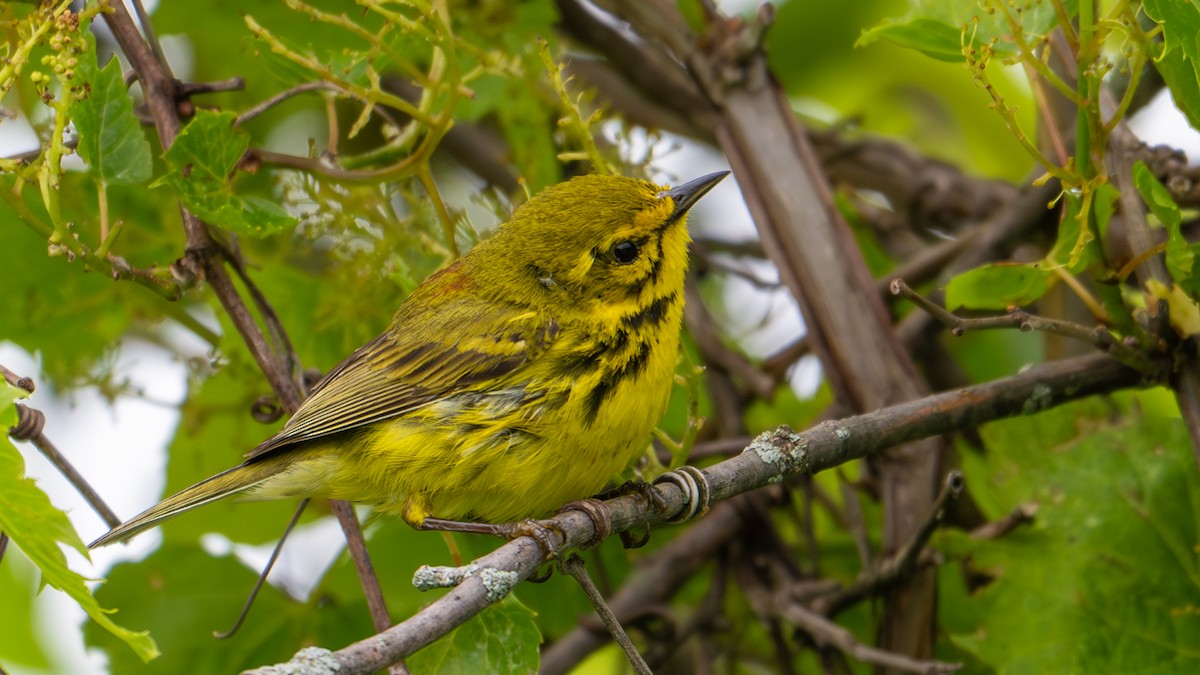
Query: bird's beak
x=686, y=195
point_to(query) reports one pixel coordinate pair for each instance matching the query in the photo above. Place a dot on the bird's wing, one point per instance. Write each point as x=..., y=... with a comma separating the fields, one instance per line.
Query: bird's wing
x=449, y=350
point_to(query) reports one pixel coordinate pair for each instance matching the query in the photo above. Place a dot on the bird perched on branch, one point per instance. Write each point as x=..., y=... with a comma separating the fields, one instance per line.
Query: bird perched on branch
x=527, y=373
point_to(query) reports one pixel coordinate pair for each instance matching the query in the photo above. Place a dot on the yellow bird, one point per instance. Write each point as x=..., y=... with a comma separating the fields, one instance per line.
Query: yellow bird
x=525, y=374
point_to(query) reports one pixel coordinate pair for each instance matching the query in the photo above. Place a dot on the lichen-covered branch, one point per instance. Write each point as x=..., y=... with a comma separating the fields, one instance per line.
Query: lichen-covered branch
x=769, y=459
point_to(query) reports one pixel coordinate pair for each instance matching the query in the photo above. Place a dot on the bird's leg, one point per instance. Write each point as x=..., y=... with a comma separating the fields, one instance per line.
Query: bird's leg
x=636, y=487
x=595, y=510
x=540, y=533
x=690, y=481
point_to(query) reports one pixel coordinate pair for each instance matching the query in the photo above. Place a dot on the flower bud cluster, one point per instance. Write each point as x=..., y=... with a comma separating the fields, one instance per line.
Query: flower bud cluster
x=68, y=44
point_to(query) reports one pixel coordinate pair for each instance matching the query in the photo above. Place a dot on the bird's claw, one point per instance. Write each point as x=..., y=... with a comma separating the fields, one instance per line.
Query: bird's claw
x=695, y=488
x=595, y=510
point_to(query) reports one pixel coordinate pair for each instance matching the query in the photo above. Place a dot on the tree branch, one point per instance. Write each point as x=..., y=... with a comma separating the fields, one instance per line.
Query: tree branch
x=825, y=632
x=162, y=95
x=772, y=457
x=900, y=566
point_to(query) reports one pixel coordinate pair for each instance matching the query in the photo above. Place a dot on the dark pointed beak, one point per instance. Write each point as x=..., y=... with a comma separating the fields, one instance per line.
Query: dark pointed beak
x=686, y=195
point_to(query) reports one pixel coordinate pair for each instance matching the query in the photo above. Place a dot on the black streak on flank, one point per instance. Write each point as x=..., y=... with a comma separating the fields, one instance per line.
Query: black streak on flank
x=611, y=380
x=596, y=398
x=651, y=315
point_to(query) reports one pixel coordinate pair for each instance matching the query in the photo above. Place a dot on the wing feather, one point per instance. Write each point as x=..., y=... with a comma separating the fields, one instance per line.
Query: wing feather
x=399, y=371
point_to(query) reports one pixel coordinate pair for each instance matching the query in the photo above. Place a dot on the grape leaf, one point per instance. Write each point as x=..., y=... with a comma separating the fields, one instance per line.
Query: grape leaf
x=1105, y=580
x=1180, y=257
x=940, y=28
x=19, y=643
x=501, y=639
x=187, y=594
x=1179, y=63
x=111, y=140
x=200, y=164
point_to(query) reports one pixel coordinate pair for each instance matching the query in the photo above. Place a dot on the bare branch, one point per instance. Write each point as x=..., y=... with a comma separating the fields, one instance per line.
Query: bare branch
x=1017, y=318
x=18, y=381
x=825, y=632
x=575, y=567
x=30, y=425
x=1020, y=515
x=771, y=457
x=284, y=95
x=900, y=566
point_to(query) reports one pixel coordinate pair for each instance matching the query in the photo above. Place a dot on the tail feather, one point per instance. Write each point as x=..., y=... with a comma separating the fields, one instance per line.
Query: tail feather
x=224, y=484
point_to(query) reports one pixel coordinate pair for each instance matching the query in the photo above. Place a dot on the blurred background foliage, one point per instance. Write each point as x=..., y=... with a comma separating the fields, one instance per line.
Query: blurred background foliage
x=1106, y=579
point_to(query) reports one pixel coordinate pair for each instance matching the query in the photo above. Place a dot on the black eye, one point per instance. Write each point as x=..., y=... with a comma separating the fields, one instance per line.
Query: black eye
x=625, y=252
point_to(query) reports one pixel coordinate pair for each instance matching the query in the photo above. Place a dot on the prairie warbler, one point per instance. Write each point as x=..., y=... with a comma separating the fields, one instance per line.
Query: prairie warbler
x=527, y=373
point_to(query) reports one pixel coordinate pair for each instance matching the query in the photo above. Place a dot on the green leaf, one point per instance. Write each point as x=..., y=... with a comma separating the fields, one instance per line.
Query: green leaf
x=50, y=306
x=1075, y=247
x=200, y=164
x=111, y=140
x=501, y=639
x=997, y=286
x=1106, y=578
x=19, y=643
x=1184, y=312
x=37, y=527
x=187, y=594
x=929, y=36
x=1180, y=257
x=9, y=395
x=1179, y=63
x=940, y=28
x=1104, y=205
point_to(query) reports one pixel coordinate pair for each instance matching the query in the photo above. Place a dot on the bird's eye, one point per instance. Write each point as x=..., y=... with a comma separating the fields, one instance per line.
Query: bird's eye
x=625, y=252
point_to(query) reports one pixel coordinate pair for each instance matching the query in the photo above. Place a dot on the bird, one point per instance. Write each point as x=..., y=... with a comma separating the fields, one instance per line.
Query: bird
x=525, y=374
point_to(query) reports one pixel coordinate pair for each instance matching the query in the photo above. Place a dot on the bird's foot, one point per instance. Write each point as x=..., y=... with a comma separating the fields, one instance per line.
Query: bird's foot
x=542, y=533
x=696, y=492
x=595, y=510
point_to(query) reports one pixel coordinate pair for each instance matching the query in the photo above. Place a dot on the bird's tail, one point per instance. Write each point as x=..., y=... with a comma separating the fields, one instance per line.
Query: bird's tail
x=238, y=479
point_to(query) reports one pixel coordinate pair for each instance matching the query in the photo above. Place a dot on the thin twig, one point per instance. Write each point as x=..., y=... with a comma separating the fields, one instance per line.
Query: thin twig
x=779, y=363
x=262, y=577
x=719, y=447
x=855, y=520
x=284, y=95
x=1020, y=515
x=324, y=168
x=826, y=632
x=575, y=567
x=187, y=89
x=148, y=32
x=18, y=381
x=362, y=562
x=706, y=613
x=901, y=565
x=1018, y=318
x=30, y=424
x=716, y=352
x=659, y=578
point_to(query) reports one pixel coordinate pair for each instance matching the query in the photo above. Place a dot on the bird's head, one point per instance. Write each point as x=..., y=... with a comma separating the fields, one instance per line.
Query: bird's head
x=599, y=239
